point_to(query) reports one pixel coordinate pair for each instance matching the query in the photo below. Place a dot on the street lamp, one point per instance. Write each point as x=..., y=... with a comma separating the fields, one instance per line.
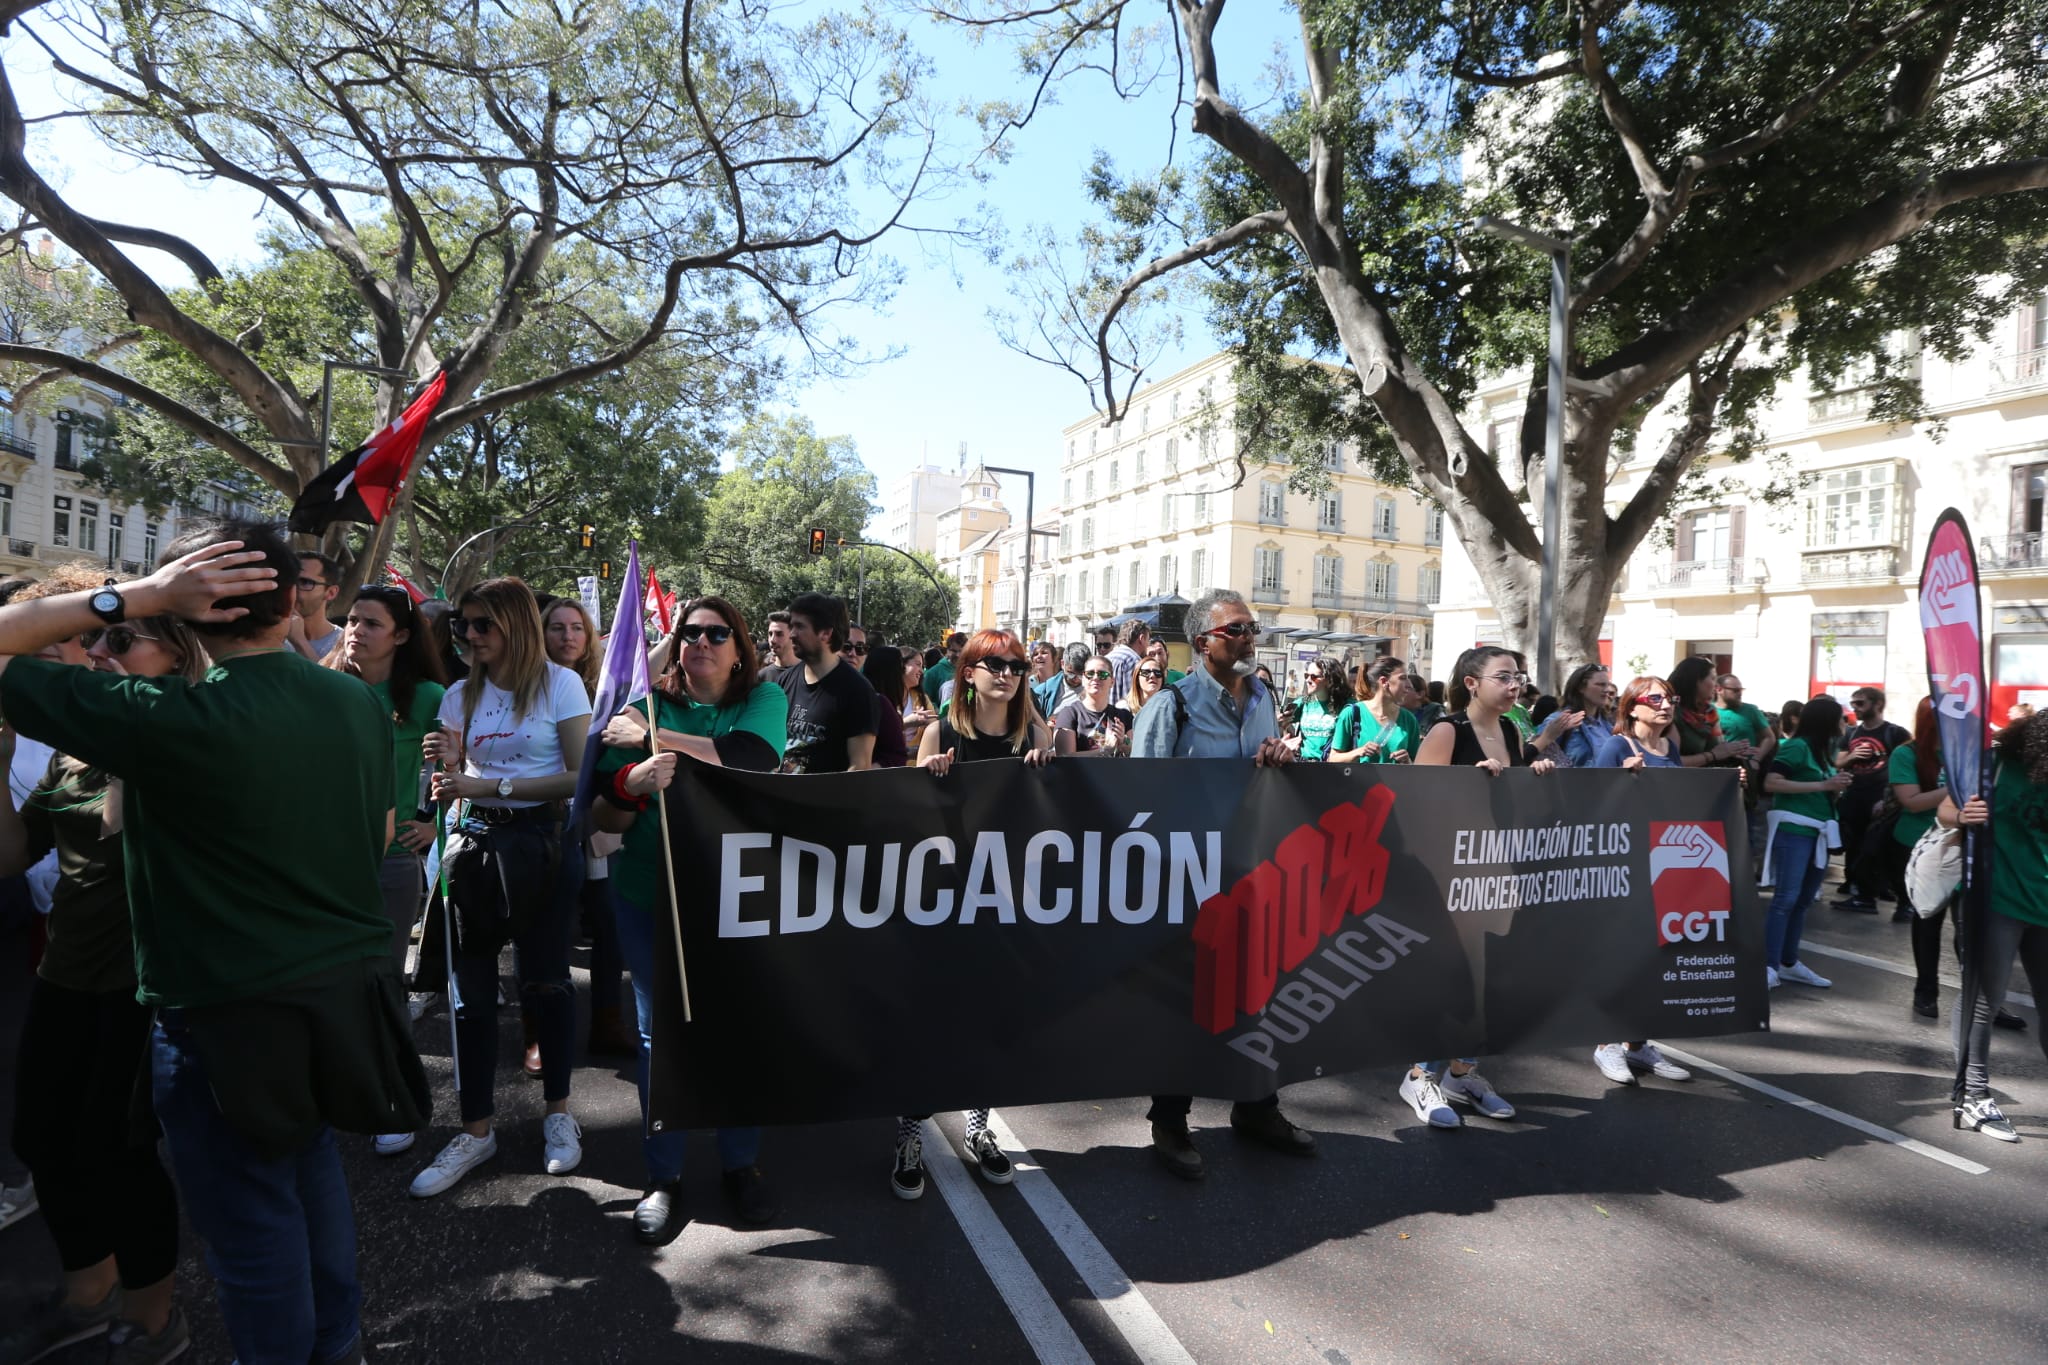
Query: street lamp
x=1559, y=249
x=1030, y=501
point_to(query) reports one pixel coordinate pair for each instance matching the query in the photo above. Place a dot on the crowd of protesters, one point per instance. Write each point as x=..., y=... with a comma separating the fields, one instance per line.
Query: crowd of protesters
x=261, y=1006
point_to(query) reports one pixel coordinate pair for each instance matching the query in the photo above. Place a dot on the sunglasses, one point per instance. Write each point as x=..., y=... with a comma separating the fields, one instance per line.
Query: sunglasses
x=1096, y=674
x=1015, y=668
x=1653, y=699
x=717, y=635
x=120, y=639
x=1236, y=630
x=1151, y=673
x=463, y=625
x=856, y=648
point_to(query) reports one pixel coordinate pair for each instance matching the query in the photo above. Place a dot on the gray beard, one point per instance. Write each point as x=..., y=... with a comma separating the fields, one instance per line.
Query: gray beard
x=1244, y=668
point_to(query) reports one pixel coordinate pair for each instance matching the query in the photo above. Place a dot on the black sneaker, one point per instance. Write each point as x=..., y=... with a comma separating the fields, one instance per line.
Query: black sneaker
x=907, y=1180
x=1857, y=904
x=53, y=1324
x=1925, y=1007
x=654, y=1217
x=747, y=1192
x=1267, y=1126
x=2007, y=1019
x=990, y=1159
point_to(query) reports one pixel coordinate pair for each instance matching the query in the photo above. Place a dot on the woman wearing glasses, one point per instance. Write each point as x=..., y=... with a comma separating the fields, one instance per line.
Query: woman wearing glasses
x=1798, y=833
x=1314, y=716
x=1642, y=739
x=1377, y=729
x=991, y=716
x=510, y=743
x=711, y=704
x=1588, y=694
x=1484, y=685
x=1100, y=728
x=1148, y=680
x=106, y=1200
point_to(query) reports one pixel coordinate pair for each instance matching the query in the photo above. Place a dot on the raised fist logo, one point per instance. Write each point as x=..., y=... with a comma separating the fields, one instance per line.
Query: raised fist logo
x=1689, y=881
x=1948, y=597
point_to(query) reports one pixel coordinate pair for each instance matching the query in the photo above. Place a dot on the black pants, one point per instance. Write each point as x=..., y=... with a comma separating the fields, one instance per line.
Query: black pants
x=103, y=1191
x=1927, y=954
x=1174, y=1108
x=1857, y=809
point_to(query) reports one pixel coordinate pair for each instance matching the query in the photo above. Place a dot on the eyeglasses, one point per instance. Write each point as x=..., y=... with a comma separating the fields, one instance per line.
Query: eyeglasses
x=1516, y=678
x=120, y=639
x=1151, y=673
x=1097, y=674
x=1657, y=699
x=1015, y=668
x=463, y=625
x=1237, y=630
x=314, y=583
x=716, y=635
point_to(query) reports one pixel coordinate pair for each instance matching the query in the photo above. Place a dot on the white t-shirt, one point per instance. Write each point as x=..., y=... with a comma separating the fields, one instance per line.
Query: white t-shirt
x=501, y=744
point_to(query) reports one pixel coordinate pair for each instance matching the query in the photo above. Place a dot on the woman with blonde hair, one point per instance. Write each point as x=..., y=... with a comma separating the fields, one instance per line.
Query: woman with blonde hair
x=1148, y=680
x=511, y=741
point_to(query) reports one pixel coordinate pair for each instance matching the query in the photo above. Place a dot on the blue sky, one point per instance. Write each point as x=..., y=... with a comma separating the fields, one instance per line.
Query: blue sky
x=953, y=381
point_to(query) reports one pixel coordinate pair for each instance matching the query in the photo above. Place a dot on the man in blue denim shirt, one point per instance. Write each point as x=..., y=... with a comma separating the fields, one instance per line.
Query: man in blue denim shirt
x=1223, y=711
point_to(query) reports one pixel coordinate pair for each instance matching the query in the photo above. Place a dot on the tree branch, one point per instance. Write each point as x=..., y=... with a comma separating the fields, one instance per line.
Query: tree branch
x=27, y=389
x=1626, y=529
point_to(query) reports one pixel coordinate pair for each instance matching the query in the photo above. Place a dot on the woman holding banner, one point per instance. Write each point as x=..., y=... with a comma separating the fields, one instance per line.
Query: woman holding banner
x=1799, y=832
x=990, y=716
x=1375, y=728
x=710, y=704
x=1477, y=733
x=2016, y=925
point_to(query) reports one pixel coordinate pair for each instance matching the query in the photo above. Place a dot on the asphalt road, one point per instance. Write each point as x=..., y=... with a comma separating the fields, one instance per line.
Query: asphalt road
x=1834, y=1216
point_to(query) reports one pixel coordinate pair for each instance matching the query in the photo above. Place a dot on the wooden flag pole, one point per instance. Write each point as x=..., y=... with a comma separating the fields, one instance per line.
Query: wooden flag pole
x=668, y=858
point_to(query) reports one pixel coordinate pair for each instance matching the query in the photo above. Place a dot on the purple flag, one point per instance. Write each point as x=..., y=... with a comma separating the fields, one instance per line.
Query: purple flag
x=624, y=678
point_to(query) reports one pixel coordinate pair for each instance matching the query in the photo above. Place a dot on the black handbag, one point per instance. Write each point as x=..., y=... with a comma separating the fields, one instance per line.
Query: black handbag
x=500, y=876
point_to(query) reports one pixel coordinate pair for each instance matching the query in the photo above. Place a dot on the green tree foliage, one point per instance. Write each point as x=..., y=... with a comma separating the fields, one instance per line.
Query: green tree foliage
x=785, y=481
x=1751, y=190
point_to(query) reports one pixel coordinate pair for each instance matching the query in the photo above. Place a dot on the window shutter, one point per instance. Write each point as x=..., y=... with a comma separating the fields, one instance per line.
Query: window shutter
x=1736, y=516
x=1685, y=540
x=2030, y=322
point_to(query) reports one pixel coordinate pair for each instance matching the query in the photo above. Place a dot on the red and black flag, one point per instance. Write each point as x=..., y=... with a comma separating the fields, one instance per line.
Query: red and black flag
x=362, y=485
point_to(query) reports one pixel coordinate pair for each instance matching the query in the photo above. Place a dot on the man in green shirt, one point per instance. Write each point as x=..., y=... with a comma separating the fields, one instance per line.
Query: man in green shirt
x=941, y=673
x=256, y=810
x=1739, y=719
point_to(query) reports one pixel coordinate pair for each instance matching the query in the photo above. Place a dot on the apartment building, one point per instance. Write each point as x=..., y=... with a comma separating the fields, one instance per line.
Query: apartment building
x=1819, y=593
x=1157, y=505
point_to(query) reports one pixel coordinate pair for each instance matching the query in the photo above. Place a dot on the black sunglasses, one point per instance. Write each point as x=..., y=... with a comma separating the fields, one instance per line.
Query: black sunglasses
x=463, y=625
x=717, y=635
x=856, y=649
x=1016, y=668
x=120, y=639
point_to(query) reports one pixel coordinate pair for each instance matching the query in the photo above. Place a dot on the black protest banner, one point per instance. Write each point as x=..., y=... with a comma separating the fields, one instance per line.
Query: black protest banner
x=891, y=942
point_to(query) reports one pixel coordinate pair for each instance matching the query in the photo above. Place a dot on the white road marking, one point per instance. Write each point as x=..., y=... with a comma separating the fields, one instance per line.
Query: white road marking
x=1699, y=1063
x=1948, y=979
x=1051, y=1336
x=1147, y=1334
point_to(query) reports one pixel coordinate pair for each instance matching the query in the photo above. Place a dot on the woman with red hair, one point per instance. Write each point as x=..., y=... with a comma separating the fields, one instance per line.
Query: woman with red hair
x=991, y=715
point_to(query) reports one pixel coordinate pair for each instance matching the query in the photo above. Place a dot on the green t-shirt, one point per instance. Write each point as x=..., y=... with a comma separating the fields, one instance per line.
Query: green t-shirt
x=1315, y=723
x=90, y=947
x=1357, y=727
x=935, y=677
x=2019, y=846
x=253, y=814
x=1794, y=759
x=1901, y=768
x=1519, y=714
x=635, y=869
x=1173, y=675
x=405, y=748
x=1744, y=723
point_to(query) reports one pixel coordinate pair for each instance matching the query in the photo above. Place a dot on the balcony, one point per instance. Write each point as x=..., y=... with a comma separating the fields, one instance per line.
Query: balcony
x=10, y=444
x=2014, y=554
x=1835, y=568
x=1330, y=526
x=21, y=549
x=1382, y=532
x=1272, y=516
x=1269, y=592
x=2020, y=370
x=131, y=567
x=1823, y=408
x=1698, y=575
x=1366, y=604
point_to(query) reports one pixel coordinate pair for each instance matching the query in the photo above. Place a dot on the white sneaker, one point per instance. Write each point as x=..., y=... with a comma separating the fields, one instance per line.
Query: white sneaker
x=1771, y=979
x=1612, y=1059
x=1803, y=975
x=419, y=1002
x=1426, y=1098
x=1474, y=1089
x=457, y=1159
x=561, y=1140
x=16, y=1203
x=391, y=1144
x=1656, y=1063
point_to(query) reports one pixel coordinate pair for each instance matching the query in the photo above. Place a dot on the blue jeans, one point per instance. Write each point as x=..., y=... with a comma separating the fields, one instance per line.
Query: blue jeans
x=1796, y=884
x=737, y=1147
x=1434, y=1070
x=280, y=1236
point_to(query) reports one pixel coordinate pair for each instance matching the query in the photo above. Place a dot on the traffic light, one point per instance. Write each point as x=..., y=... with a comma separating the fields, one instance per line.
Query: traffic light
x=817, y=540
x=604, y=568
x=585, y=533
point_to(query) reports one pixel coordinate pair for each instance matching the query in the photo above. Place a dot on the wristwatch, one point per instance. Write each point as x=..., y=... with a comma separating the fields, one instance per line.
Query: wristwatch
x=505, y=788
x=108, y=605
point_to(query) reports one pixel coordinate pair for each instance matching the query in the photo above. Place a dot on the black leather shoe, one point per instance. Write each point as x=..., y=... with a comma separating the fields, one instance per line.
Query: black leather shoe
x=748, y=1194
x=2007, y=1019
x=1176, y=1150
x=1903, y=915
x=654, y=1217
x=1926, y=1009
x=1267, y=1126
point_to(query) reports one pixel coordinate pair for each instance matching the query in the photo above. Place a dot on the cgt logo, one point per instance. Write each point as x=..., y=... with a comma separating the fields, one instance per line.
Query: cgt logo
x=1689, y=880
x=1948, y=596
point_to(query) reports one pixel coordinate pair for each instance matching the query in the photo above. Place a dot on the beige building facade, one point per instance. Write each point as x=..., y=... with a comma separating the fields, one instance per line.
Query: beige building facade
x=1155, y=505
x=1819, y=593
